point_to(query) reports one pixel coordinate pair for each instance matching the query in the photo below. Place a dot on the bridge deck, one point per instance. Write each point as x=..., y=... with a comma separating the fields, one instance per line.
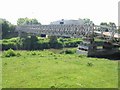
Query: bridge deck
x=116, y=35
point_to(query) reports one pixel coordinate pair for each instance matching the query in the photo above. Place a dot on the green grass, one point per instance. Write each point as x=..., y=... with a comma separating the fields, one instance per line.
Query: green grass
x=49, y=69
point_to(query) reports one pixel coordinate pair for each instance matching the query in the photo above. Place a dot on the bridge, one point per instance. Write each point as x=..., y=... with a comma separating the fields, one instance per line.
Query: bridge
x=76, y=31
x=109, y=34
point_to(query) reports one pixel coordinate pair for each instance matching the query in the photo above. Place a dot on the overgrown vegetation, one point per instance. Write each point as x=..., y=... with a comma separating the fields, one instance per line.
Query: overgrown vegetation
x=8, y=30
x=67, y=51
x=9, y=53
x=38, y=43
x=50, y=69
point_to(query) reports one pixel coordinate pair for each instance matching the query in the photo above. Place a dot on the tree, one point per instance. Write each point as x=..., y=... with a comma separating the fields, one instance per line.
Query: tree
x=54, y=42
x=112, y=24
x=104, y=28
x=27, y=21
x=109, y=24
x=8, y=30
x=104, y=23
x=30, y=43
x=88, y=21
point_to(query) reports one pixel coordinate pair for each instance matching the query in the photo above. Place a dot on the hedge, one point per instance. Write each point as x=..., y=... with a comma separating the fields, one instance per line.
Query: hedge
x=38, y=43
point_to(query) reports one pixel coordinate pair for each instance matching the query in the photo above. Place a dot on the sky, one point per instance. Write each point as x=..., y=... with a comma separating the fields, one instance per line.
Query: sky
x=46, y=11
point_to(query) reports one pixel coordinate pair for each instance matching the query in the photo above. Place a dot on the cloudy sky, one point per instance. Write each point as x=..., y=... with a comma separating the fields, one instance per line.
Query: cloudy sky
x=46, y=11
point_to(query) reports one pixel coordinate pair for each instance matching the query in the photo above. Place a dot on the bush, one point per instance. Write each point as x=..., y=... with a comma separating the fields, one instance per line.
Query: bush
x=30, y=43
x=72, y=43
x=12, y=43
x=6, y=46
x=54, y=43
x=35, y=43
x=62, y=52
x=89, y=64
x=33, y=53
x=82, y=56
x=43, y=45
x=18, y=54
x=67, y=52
x=9, y=53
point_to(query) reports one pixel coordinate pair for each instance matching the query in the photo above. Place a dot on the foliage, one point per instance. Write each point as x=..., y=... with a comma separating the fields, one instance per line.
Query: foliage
x=89, y=64
x=108, y=24
x=54, y=43
x=67, y=51
x=8, y=30
x=38, y=43
x=27, y=21
x=9, y=53
x=104, y=23
x=30, y=43
x=13, y=43
x=6, y=46
x=86, y=21
x=18, y=54
x=70, y=42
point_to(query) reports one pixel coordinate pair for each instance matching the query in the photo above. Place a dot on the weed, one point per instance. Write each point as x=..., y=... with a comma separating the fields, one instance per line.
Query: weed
x=89, y=64
x=81, y=56
x=69, y=52
x=62, y=52
x=5, y=63
x=52, y=87
x=55, y=58
x=33, y=53
x=50, y=53
x=18, y=54
x=9, y=53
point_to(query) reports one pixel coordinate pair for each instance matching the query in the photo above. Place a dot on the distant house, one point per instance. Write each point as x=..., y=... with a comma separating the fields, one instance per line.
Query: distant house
x=71, y=22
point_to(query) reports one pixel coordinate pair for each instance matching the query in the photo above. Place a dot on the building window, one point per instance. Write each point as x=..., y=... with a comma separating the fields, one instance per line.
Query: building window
x=61, y=22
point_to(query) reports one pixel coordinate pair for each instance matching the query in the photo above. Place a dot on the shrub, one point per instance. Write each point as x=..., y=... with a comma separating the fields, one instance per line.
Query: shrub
x=82, y=56
x=35, y=43
x=67, y=52
x=72, y=43
x=18, y=54
x=56, y=45
x=89, y=64
x=9, y=53
x=30, y=43
x=33, y=53
x=62, y=52
x=7, y=46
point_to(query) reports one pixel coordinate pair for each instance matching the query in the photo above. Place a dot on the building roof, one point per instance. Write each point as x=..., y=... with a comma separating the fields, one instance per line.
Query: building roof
x=68, y=22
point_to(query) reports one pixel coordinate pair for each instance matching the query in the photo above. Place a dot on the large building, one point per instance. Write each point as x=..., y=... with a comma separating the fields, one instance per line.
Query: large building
x=72, y=22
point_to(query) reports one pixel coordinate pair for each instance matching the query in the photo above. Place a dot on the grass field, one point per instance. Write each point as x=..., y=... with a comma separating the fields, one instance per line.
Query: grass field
x=49, y=69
